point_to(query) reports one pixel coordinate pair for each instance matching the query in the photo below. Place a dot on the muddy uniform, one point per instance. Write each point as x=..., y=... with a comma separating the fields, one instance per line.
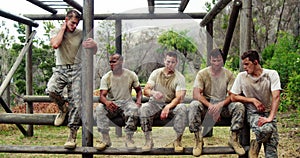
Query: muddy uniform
x=260, y=88
x=119, y=91
x=67, y=73
x=168, y=85
x=215, y=90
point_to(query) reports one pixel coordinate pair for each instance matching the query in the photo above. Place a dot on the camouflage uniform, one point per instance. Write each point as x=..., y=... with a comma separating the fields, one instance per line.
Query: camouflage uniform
x=70, y=77
x=266, y=134
x=67, y=73
x=119, y=91
x=197, y=111
x=127, y=110
x=260, y=88
x=215, y=90
x=152, y=110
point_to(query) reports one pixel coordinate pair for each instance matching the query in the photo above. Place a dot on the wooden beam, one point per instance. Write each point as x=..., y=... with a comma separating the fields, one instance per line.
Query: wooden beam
x=43, y=6
x=151, y=6
x=237, y=4
x=39, y=98
x=17, y=63
x=7, y=109
x=183, y=5
x=214, y=11
x=112, y=151
x=48, y=119
x=21, y=19
x=75, y=5
x=123, y=16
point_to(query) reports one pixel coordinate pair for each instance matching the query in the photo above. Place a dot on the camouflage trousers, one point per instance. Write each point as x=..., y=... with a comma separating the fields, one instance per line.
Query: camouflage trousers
x=67, y=77
x=152, y=110
x=266, y=134
x=197, y=112
x=128, y=110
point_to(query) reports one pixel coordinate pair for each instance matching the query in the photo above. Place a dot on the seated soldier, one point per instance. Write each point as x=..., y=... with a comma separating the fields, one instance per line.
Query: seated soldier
x=210, y=94
x=116, y=100
x=166, y=89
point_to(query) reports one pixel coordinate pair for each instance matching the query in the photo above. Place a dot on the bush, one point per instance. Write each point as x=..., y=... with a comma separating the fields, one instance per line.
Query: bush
x=284, y=56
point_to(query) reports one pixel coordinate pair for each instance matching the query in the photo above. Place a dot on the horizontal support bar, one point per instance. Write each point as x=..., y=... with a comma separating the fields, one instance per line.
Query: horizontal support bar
x=48, y=119
x=39, y=98
x=123, y=16
x=111, y=151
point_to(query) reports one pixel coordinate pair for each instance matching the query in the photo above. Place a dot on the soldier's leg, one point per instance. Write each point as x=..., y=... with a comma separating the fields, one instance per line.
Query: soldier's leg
x=237, y=111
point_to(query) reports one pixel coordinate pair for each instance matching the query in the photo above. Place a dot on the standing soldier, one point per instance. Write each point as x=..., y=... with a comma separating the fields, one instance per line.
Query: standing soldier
x=67, y=42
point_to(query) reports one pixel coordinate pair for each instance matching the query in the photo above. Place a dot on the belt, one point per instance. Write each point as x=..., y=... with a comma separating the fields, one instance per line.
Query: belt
x=67, y=66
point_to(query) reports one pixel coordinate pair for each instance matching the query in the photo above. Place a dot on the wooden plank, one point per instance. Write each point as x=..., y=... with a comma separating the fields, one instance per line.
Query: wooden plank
x=214, y=12
x=48, y=119
x=112, y=151
x=123, y=16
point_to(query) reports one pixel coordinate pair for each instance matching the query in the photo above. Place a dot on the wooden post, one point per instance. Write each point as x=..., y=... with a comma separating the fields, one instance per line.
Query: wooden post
x=29, y=90
x=245, y=27
x=209, y=40
x=118, y=36
x=237, y=4
x=87, y=78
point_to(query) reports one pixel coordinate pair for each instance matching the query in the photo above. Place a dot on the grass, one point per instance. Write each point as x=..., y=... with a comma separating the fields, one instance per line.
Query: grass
x=289, y=145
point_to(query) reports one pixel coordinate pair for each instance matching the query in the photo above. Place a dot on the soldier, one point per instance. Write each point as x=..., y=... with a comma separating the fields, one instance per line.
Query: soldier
x=67, y=42
x=210, y=95
x=259, y=89
x=166, y=89
x=116, y=100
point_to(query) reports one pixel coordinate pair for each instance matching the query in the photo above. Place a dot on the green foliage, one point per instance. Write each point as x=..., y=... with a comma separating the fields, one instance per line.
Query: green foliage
x=178, y=41
x=42, y=59
x=209, y=5
x=291, y=97
x=284, y=56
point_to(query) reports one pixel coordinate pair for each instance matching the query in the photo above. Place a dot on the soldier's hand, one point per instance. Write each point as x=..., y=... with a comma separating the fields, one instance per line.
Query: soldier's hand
x=111, y=106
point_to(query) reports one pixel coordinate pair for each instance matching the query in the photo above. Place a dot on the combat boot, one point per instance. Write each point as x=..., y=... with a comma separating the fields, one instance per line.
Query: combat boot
x=149, y=142
x=71, y=141
x=234, y=143
x=60, y=118
x=129, y=143
x=254, y=149
x=104, y=143
x=197, y=150
x=177, y=144
x=63, y=109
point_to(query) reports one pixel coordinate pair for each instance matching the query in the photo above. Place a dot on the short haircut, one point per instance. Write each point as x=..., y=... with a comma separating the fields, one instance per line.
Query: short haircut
x=216, y=52
x=172, y=54
x=120, y=56
x=73, y=13
x=252, y=55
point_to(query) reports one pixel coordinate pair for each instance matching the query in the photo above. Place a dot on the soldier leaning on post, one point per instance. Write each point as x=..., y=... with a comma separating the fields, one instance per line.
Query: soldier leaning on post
x=67, y=42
